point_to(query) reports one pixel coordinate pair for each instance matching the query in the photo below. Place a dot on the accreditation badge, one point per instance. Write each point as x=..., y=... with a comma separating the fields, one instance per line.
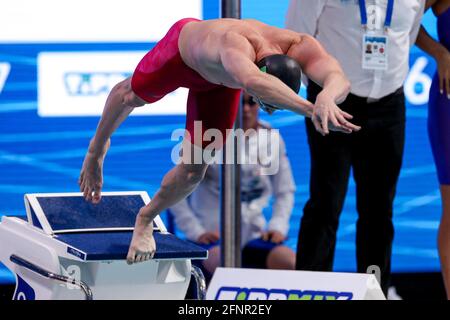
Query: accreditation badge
x=374, y=52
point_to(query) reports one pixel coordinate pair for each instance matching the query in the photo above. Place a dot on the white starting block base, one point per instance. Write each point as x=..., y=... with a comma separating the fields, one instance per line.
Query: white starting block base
x=93, y=259
x=257, y=284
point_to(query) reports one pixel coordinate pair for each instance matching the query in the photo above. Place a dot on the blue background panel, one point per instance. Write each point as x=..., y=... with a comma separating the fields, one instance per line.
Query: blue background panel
x=45, y=154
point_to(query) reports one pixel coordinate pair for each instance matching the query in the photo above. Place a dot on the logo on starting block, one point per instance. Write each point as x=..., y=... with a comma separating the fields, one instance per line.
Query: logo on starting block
x=76, y=253
x=23, y=291
x=73, y=272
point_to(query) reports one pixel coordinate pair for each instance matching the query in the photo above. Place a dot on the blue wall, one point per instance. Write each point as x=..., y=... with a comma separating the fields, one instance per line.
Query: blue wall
x=45, y=154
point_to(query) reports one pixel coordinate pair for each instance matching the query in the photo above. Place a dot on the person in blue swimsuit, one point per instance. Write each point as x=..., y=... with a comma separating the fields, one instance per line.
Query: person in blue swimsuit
x=439, y=120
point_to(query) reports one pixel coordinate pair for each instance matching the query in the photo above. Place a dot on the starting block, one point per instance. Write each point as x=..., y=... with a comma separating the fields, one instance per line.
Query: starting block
x=68, y=248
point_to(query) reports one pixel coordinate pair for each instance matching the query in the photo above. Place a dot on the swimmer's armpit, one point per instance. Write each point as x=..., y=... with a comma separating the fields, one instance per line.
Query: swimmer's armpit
x=267, y=108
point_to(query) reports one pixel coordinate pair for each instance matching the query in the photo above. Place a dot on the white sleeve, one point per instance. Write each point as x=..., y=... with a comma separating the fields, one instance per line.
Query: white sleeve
x=302, y=15
x=283, y=187
x=186, y=220
x=417, y=22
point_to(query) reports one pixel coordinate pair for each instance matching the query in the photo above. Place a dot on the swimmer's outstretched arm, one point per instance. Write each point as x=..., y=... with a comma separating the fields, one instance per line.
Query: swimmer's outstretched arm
x=320, y=67
x=323, y=69
x=266, y=87
x=119, y=104
x=236, y=59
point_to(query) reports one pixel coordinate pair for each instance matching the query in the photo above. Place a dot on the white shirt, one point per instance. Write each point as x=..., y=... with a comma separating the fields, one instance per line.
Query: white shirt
x=200, y=212
x=337, y=26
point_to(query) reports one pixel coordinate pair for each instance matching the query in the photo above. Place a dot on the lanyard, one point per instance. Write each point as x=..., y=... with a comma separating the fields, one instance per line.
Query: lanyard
x=363, y=12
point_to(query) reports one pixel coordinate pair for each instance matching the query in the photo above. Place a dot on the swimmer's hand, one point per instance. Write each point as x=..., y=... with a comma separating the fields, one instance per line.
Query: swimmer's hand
x=91, y=176
x=142, y=246
x=328, y=116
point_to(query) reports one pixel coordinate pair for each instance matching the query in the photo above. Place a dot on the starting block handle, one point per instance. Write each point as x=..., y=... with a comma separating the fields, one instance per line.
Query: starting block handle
x=199, y=282
x=50, y=275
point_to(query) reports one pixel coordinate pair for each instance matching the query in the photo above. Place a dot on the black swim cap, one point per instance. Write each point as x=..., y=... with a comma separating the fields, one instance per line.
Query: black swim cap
x=284, y=68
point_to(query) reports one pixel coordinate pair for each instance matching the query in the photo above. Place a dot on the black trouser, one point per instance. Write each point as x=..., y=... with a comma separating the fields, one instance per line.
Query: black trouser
x=375, y=154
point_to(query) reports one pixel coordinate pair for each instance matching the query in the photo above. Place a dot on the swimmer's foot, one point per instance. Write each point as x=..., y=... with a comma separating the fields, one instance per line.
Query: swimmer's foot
x=142, y=246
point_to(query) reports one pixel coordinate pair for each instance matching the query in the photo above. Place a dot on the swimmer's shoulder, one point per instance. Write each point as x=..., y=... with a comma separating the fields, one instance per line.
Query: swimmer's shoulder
x=236, y=23
x=259, y=25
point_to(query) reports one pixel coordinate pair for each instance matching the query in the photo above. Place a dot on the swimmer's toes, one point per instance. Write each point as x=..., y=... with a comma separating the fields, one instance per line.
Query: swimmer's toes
x=131, y=256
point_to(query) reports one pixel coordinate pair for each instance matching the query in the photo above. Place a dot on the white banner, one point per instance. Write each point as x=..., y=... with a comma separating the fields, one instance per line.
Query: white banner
x=92, y=21
x=258, y=284
x=78, y=83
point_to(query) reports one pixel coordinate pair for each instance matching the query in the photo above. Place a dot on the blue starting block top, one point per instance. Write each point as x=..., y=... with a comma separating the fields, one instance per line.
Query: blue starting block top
x=70, y=212
x=113, y=245
x=102, y=231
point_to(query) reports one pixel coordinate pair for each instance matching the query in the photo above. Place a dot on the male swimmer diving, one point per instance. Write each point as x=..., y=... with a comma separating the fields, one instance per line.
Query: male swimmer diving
x=215, y=60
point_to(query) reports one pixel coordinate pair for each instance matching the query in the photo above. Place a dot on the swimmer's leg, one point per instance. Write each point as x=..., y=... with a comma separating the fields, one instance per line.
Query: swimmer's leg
x=121, y=101
x=216, y=109
x=177, y=184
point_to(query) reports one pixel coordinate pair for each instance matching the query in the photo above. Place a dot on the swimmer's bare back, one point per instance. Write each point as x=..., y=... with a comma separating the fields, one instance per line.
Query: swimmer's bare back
x=202, y=43
x=224, y=52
